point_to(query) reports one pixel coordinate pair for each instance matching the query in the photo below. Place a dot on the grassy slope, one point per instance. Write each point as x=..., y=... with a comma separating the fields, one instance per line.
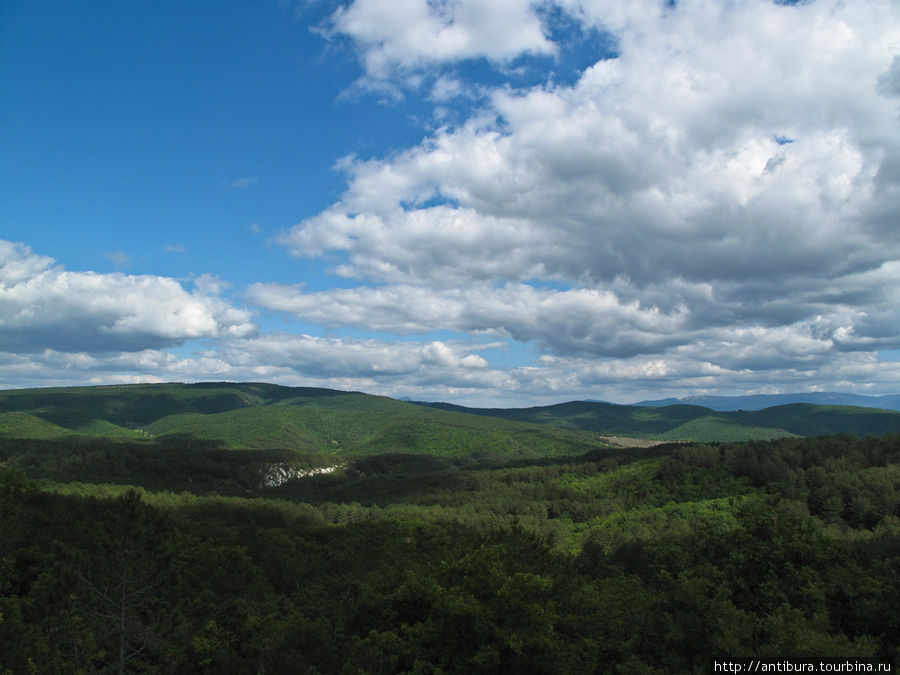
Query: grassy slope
x=712, y=428
x=104, y=429
x=24, y=425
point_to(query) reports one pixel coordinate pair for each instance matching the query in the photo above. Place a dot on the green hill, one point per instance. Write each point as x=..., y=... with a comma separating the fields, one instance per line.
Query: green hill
x=806, y=419
x=264, y=416
x=695, y=423
x=25, y=425
x=310, y=420
x=363, y=424
x=604, y=418
x=712, y=428
x=136, y=405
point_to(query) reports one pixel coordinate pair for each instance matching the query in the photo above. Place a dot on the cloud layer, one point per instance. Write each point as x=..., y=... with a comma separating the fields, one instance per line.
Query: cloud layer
x=724, y=192
x=713, y=207
x=43, y=306
x=399, y=36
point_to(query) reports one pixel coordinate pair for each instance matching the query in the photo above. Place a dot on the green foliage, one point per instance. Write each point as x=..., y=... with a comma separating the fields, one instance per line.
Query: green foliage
x=814, y=420
x=718, y=429
x=25, y=425
x=176, y=464
x=266, y=417
x=532, y=550
x=135, y=405
x=695, y=423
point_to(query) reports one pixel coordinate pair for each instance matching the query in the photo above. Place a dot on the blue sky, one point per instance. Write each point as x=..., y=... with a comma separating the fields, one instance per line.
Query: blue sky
x=502, y=203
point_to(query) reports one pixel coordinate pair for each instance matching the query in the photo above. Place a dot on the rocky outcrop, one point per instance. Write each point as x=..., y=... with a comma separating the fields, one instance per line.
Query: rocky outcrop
x=279, y=474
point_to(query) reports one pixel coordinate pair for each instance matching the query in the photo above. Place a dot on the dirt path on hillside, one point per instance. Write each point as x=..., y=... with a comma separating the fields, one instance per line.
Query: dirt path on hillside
x=628, y=442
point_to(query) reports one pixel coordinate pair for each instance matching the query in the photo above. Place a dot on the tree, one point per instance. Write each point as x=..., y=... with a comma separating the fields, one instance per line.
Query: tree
x=121, y=580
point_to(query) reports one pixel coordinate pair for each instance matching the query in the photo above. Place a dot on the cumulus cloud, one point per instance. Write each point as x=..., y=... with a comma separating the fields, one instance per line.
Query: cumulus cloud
x=43, y=306
x=577, y=320
x=714, y=209
x=405, y=35
x=428, y=245
x=432, y=370
x=354, y=358
x=600, y=323
x=724, y=193
x=376, y=366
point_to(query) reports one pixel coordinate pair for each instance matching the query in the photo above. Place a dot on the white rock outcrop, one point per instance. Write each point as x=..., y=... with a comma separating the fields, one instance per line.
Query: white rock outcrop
x=279, y=474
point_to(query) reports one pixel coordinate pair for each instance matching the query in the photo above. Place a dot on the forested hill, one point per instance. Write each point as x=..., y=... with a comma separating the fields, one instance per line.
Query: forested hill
x=265, y=416
x=690, y=422
x=252, y=416
x=761, y=401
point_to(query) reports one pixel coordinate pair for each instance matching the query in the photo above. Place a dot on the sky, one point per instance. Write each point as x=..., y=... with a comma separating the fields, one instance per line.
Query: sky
x=501, y=203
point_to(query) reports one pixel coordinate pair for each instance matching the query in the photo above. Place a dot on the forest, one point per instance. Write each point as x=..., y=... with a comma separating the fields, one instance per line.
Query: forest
x=174, y=555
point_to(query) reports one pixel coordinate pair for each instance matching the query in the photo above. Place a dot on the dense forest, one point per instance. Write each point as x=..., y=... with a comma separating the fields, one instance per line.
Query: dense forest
x=177, y=556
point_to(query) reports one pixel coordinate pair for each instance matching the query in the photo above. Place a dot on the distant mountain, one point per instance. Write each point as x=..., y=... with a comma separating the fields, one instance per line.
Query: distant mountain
x=329, y=424
x=683, y=422
x=762, y=401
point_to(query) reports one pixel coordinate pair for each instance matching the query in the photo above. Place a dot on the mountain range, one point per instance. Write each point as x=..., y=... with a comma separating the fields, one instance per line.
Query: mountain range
x=761, y=401
x=325, y=422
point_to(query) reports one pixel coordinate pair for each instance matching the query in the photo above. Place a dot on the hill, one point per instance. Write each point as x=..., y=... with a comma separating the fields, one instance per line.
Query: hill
x=135, y=405
x=313, y=420
x=696, y=423
x=24, y=425
x=265, y=416
x=761, y=401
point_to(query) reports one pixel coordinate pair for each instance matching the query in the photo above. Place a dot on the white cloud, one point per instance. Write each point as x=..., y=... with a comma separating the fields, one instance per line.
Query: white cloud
x=339, y=357
x=731, y=334
x=577, y=320
x=445, y=89
x=443, y=371
x=44, y=306
x=643, y=231
x=658, y=192
x=405, y=35
x=375, y=366
x=429, y=245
